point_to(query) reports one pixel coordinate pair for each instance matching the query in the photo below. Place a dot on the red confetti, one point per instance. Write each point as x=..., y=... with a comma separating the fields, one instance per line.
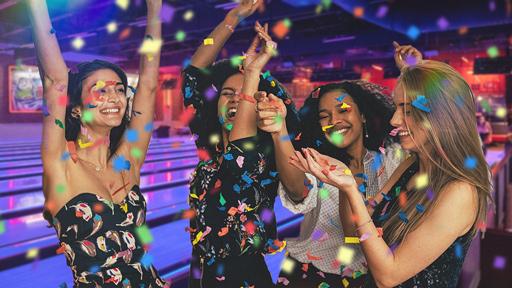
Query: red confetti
x=332, y=168
x=63, y=100
x=203, y=155
x=313, y=258
x=379, y=231
x=187, y=115
x=402, y=199
x=125, y=33
x=250, y=227
x=305, y=266
x=188, y=214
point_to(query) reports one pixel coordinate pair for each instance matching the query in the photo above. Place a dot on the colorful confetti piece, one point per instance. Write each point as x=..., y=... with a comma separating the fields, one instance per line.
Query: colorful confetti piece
x=144, y=235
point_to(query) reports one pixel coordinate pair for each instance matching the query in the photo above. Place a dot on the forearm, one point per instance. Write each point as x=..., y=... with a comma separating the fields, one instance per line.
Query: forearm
x=245, y=120
x=206, y=54
x=291, y=177
x=346, y=216
x=50, y=59
x=150, y=63
x=378, y=255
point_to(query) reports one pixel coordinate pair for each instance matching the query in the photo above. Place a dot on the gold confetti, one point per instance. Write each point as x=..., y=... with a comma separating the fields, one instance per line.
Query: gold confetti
x=123, y=4
x=421, y=181
x=78, y=43
x=150, y=46
x=32, y=253
x=111, y=27
x=351, y=240
x=287, y=266
x=208, y=41
x=345, y=255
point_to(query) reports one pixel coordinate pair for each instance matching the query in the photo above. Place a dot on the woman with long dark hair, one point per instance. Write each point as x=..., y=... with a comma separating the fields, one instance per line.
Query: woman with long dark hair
x=434, y=203
x=233, y=189
x=91, y=172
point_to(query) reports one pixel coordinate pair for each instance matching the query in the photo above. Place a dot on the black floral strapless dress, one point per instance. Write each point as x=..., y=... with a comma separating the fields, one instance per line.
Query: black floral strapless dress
x=103, y=241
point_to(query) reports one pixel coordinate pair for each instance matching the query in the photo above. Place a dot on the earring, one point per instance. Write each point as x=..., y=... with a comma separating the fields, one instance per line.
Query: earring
x=365, y=130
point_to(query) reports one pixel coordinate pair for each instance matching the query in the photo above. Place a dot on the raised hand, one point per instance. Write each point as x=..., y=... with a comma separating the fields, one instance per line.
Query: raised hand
x=245, y=9
x=406, y=55
x=329, y=170
x=271, y=112
x=255, y=61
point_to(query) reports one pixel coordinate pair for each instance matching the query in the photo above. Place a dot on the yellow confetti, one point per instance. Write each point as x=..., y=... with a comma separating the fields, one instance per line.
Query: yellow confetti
x=124, y=207
x=198, y=237
x=347, y=171
x=351, y=240
x=287, y=266
x=327, y=127
x=111, y=27
x=193, y=196
x=345, y=106
x=32, y=253
x=84, y=145
x=123, y=4
x=188, y=15
x=78, y=43
x=214, y=139
x=345, y=255
x=208, y=41
x=345, y=282
x=100, y=84
x=150, y=46
x=421, y=181
x=501, y=112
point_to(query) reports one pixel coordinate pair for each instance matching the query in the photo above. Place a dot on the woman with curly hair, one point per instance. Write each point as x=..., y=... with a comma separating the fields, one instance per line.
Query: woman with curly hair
x=349, y=121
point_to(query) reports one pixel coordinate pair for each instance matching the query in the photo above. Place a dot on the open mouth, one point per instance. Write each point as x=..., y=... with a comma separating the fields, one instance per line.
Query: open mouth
x=230, y=113
x=338, y=130
x=403, y=133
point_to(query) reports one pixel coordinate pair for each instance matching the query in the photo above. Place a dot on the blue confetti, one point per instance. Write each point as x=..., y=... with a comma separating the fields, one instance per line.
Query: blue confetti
x=341, y=97
x=120, y=163
x=148, y=127
x=362, y=188
x=247, y=179
x=52, y=31
x=146, y=260
x=94, y=269
x=211, y=261
x=285, y=138
x=45, y=110
x=65, y=156
x=413, y=32
x=91, y=106
x=420, y=208
x=132, y=135
x=236, y=188
x=186, y=63
x=458, y=250
x=273, y=173
x=265, y=182
x=470, y=162
x=320, y=184
x=362, y=176
x=228, y=156
x=318, y=143
x=386, y=197
x=377, y=162
x=188, y=92
x=403, y=217
x=421, y=103
x=221, y=120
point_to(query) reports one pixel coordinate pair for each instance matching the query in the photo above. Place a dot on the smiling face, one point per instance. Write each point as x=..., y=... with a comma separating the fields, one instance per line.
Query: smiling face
x=104, y=96
x=229, y=99
x=341, y=124
x=406, y=124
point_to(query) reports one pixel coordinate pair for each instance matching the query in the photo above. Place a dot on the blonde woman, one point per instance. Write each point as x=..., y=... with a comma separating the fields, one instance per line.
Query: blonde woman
x=432, y=206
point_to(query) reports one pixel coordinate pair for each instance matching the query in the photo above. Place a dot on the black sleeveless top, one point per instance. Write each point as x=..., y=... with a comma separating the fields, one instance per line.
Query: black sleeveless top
x=444, y=272
x=104, y=242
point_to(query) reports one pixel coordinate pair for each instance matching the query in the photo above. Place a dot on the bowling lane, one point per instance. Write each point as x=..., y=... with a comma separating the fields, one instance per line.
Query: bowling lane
x=53, y=271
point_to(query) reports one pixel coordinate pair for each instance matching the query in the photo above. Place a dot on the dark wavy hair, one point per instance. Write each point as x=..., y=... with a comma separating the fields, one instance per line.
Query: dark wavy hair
x=372, y=101
x=72, y=127
x=218, y=73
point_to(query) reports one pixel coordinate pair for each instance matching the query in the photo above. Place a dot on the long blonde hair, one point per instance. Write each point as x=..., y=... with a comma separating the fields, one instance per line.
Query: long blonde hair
x=452, y=137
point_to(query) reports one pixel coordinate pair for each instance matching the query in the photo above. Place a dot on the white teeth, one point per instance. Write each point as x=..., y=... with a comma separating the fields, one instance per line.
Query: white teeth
x=231, y=112
x=403, y=133
x=110, y=110
x=341, y=131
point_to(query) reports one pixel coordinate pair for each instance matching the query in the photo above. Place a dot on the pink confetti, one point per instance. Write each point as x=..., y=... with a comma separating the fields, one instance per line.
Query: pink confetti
x=240, y=161
x=364, y=237
x=383, y=11
x=394, y=132
x=283, y=281
x=442, y=23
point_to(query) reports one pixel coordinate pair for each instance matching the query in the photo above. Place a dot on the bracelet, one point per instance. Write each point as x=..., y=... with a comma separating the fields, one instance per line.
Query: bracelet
x=362, y=225
x=247, y=98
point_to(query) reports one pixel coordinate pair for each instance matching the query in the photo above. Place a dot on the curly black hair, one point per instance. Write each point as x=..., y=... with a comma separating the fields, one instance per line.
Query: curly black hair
x=72, y=127
x=372, y=101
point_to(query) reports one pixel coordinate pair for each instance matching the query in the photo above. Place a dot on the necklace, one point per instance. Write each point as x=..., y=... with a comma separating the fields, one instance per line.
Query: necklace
x=96, y=167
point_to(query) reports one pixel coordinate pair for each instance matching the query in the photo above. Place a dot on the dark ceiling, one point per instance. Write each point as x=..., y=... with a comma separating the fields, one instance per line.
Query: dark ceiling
x=311, y=34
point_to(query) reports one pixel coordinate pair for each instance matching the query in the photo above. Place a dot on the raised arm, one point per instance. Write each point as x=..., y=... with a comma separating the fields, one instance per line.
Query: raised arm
x=207, y=53
x=144, y=99
x=54, y=75
x=245, y=120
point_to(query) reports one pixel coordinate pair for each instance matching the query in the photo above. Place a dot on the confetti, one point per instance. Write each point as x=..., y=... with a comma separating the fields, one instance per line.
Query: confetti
x=499, y=262
x=283, y=280
x=421, y=181
x=470, y=162
x=287, y=266
x=501, y=112
x=136, y=153
x=59, y=123
x=345, y=255
x=208, y=41
x=358, y=12
x=420, y=208
x=345, y=106
x=60, y=188
x=150, y=46
x=123, y=4
x=382, y=11
x=345, y=282
x=229, y=126
x=324, y=193
x=421, y=103
x=188, y=15
x=120, y=163
x=87, y=117
x=458, y=250
x=413, y=32
x=403, y=217
x=351, y=240
x=180, y=36
x=443, y=23
x=111, y=27
x=2, y=227
x=143, y=234
x=282, y=28
x=236, y=60
x=78, y=43
x=132, y=135
x=125, y=33
x=32, y=253
x=222, y=201
x=364, y=237
x=146, y=260
x=493, y=52
x=167, y=13
x=336, y=138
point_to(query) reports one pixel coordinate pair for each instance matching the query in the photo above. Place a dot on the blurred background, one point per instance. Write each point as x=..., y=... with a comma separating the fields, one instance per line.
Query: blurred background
x=319, y=42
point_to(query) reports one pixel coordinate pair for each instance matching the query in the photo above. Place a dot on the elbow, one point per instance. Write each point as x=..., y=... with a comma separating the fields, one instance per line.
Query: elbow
x=386, y=281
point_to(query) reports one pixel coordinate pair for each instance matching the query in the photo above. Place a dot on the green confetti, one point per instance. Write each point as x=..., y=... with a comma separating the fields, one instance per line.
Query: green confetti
x=266, y=75
x=493, y=52
x=236, y=60
x=336, y=138
x=136, y=153
x=180, y=36
x=287, y=22
x=324, y=193
x=279, y=119
x=229, y=126
x=2, y=227
x=144, y=234
x=87, y=117
x=222, y=201
x=486, y=106
x=60, y=188
x=398, y=190
x=59, y=123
